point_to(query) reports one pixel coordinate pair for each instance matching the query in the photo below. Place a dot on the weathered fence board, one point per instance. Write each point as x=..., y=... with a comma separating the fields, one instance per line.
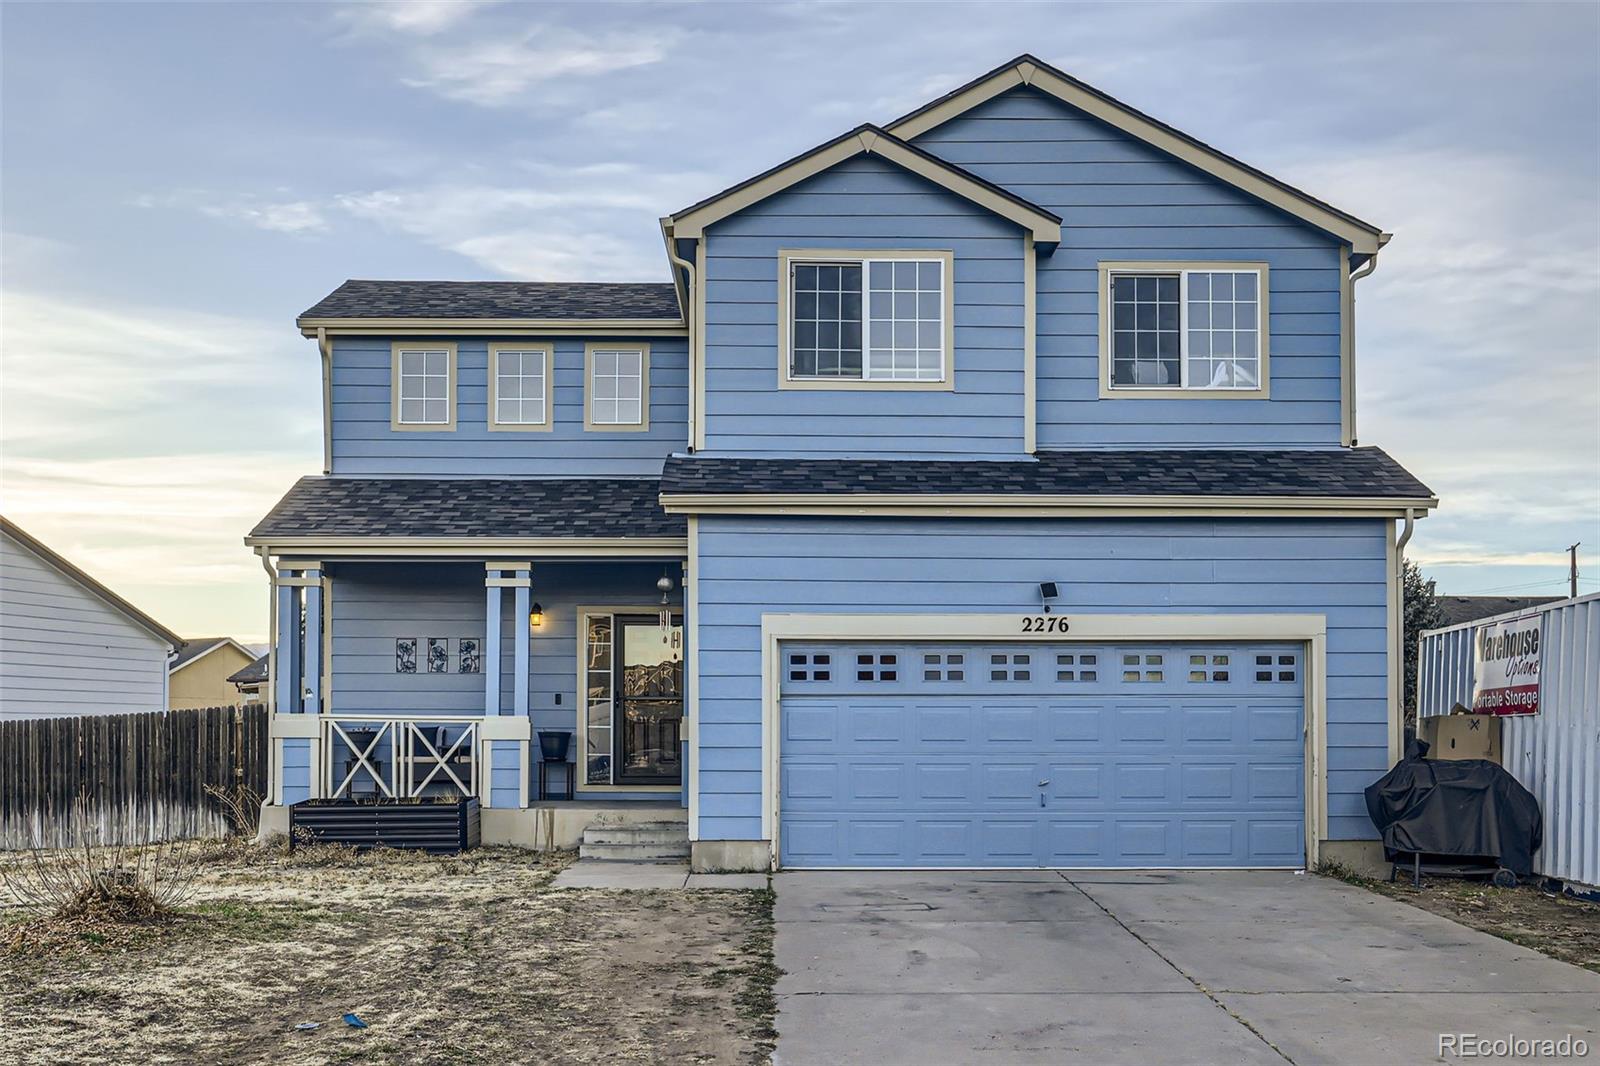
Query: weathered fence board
x=142, y=776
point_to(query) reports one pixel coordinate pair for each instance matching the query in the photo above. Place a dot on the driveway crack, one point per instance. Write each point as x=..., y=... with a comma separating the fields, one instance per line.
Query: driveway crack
x=1179, y=970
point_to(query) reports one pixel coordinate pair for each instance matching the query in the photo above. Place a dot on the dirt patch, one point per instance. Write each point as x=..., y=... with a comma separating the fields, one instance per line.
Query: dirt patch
x=449, y=960
x=1559, y=926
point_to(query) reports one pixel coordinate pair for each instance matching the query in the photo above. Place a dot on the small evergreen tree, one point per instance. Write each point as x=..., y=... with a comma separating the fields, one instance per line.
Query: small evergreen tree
x=1419, y=610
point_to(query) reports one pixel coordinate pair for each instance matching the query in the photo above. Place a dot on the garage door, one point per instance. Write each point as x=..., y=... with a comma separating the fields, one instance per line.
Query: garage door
x=992, y=755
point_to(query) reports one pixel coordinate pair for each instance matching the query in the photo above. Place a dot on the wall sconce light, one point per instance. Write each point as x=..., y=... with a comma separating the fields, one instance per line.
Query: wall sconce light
x=536, y=617
x=1047, y=592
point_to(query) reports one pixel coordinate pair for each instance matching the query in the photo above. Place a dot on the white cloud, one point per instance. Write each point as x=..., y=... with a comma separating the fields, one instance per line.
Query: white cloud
x=495, y=71
x=295, y=216
x=421, y=18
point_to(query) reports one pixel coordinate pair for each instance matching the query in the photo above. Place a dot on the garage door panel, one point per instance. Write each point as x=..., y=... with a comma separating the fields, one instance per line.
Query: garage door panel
x=994, y=755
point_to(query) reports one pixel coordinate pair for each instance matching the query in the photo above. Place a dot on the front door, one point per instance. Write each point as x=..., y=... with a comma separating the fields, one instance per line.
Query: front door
x=649, y=706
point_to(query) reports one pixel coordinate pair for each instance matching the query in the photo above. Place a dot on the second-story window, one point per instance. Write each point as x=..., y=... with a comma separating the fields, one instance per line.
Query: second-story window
x=868, y=319
x=617, y=395
x=424, y=387
x=1194, y=329
x=519, y=395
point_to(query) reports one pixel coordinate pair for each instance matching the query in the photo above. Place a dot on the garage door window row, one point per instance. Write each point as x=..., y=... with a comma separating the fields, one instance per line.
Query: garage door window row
x=938, y=669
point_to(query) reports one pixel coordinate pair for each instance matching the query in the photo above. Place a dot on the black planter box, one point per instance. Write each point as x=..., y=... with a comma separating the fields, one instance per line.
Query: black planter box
x=437, y=828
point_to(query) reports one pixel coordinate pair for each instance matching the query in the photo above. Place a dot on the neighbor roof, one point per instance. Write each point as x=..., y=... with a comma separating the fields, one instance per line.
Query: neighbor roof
x=1364, y=237
x=94, y=587
x=1458, y=609
x=527, y=508
x=574, y=301
x=253, y=674
x=195, y=647
x=1345, y=473
x=869, y=140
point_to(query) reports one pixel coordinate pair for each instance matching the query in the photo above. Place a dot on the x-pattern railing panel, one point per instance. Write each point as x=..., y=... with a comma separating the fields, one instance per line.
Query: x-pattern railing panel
x=412, y=746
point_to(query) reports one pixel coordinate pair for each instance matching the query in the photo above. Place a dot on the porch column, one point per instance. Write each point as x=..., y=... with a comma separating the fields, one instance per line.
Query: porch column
x=311, y=657
x=491, y=642
x=286, y=656
x=521, y=634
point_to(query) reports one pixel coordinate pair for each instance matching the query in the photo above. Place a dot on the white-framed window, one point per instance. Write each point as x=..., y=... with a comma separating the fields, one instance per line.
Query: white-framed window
x=519, y=387
x=617, y=387
x=1175, y=329
x=423, y=386
x=875, y=319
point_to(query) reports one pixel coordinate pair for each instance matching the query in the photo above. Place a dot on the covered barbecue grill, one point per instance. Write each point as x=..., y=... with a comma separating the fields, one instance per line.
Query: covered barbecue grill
x=1460, y=817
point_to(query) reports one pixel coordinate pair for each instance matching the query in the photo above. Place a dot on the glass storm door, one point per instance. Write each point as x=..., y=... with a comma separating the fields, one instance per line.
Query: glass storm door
x=649, y=705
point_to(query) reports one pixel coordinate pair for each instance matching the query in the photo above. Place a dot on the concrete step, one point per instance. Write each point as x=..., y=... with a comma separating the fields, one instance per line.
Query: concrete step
x=638, y=833
x=675, y=853
x=636, y=842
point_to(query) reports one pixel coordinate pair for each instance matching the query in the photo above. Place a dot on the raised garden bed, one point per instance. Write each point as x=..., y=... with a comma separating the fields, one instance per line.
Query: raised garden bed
x=437, y=827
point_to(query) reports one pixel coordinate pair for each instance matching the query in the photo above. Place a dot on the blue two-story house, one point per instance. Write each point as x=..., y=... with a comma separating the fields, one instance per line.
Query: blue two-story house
x=983, y=490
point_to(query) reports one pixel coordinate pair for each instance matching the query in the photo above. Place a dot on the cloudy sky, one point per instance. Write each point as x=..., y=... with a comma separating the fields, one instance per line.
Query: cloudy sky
x=181, y=180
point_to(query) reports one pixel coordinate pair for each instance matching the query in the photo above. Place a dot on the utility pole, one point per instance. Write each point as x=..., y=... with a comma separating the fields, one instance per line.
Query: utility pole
x=1572, y=568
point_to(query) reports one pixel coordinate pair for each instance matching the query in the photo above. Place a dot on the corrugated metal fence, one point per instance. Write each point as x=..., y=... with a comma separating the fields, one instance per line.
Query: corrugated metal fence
x=138, y=776
x=1556, y=753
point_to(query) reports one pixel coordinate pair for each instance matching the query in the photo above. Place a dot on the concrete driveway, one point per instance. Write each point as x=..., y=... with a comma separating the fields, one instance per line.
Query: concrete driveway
x=1205, y=967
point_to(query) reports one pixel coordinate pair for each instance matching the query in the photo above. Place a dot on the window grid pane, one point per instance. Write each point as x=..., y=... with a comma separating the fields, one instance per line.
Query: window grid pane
x=1145, y=331
x=520, y=388
x=826, y=314
x=1224, y=349
x=905, y=332
x=616, y=389
x=424, y=387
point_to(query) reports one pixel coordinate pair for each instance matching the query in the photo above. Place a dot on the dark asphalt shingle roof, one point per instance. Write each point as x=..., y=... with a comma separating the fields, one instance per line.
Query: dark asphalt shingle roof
x=579, y=300
x=1458, y=609
x=193, y=648
x=253, y=674
x=1343, y=472
x=470, y=507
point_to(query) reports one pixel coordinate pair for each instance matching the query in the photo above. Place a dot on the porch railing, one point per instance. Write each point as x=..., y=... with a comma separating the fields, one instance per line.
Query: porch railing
x=401, y=756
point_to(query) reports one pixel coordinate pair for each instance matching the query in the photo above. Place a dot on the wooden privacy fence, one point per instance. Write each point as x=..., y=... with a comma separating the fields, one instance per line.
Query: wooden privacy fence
x=140, y=776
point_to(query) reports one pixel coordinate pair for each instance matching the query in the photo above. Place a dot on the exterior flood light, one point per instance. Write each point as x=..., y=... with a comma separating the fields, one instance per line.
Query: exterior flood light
x=1047, y=592
x=536, y=617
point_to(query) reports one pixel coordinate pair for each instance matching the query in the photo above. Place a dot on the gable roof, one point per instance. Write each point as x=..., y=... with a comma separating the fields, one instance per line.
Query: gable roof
x=197, y=648
x=89, y=584
x=869, y=140
x=1364, y=238
x=489, y=302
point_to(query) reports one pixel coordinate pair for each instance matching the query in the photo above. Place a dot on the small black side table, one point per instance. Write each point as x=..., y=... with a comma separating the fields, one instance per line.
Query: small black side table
x=568, y=773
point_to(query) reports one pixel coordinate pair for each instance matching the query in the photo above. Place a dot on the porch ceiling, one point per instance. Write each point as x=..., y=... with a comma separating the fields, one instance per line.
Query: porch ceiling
x=567, y=510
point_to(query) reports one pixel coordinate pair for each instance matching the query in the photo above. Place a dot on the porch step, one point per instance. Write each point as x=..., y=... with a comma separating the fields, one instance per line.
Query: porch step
x=636, y=842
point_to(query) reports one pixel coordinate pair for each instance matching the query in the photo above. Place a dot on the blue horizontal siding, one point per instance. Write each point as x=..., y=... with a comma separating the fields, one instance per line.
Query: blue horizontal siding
x=750, y=566
x=364, y=443
x=1122, y=199
x=863, y=203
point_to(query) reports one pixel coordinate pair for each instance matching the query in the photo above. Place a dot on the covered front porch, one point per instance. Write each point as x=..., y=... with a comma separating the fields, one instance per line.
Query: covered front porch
x=553, y=689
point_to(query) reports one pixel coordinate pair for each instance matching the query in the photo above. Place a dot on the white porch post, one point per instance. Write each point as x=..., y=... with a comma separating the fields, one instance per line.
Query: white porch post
x=311, y=656
x=286, y=656
x=491, y=644
x=521, y=642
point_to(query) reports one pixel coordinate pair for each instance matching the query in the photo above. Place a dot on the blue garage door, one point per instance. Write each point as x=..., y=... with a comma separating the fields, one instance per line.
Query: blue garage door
x=992, y=755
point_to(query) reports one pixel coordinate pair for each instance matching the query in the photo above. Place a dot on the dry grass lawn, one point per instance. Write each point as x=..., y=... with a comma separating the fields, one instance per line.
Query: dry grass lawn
x=469, y=959
x=1559, y=926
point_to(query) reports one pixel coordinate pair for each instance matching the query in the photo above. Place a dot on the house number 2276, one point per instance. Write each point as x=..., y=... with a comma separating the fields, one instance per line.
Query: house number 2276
x=1044, y=623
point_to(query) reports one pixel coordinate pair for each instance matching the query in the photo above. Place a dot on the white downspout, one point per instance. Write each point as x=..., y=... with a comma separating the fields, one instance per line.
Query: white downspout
x=688, y=317
x=325, y=347
x=1355, y=275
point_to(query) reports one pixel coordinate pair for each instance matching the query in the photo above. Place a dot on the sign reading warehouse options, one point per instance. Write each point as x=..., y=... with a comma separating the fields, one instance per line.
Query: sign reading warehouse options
x=1505, y=667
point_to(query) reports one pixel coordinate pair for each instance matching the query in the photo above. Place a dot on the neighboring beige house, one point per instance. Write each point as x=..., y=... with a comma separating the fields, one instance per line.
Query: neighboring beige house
x=201, y=673
x=70, y=646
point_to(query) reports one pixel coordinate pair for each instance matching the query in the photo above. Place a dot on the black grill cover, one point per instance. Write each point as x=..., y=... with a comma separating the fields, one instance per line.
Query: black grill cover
x=1460, y=808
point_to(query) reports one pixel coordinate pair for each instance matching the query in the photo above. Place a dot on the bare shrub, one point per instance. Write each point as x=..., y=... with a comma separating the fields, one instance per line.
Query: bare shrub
x=97, y=883
x=241, y=804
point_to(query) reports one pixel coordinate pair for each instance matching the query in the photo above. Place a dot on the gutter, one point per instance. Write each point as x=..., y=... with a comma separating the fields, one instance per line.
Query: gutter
x=687, y=306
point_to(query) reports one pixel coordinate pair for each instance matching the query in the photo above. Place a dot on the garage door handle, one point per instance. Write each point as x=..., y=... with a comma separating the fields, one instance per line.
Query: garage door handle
x=1045, y=782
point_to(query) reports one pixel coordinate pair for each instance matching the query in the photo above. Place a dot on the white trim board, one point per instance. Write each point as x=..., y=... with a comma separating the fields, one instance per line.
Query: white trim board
x=1307, y=629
